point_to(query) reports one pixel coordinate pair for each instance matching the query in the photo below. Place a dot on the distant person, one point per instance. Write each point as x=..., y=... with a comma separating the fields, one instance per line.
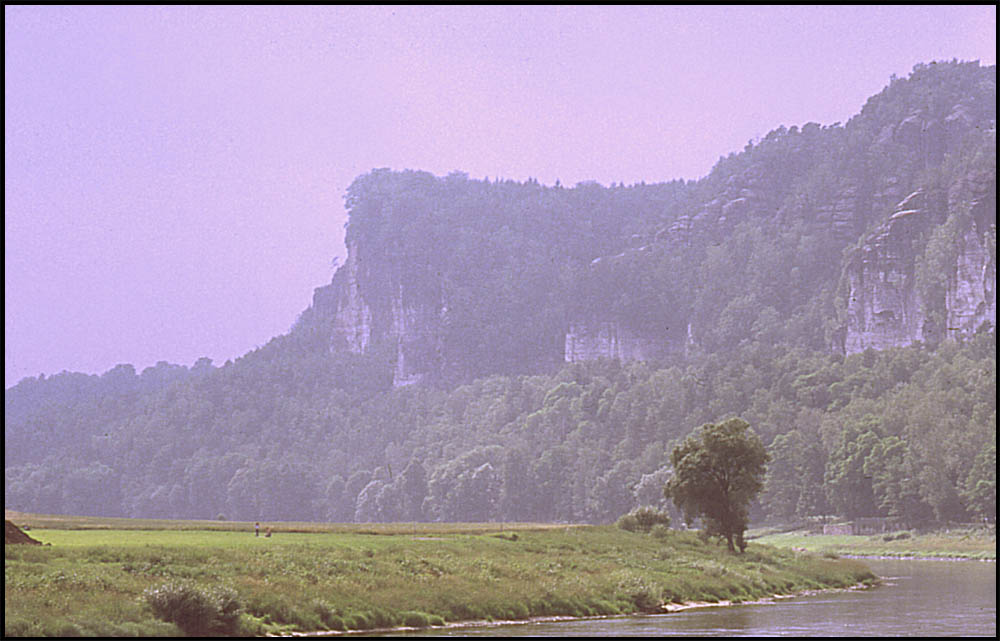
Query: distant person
x=256, y=529
x=268, y=535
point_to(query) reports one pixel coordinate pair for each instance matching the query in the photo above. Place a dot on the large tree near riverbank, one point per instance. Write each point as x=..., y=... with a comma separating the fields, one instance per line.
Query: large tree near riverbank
x=718, y=470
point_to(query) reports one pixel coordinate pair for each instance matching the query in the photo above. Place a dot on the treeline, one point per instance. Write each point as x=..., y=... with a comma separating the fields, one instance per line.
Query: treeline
x=286, y=434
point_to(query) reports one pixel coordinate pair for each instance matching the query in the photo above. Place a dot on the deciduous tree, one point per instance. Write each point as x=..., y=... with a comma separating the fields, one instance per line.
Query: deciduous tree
x=718, y=470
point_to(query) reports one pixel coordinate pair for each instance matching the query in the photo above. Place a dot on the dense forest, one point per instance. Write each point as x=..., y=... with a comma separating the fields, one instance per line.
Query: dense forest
x=432, y=378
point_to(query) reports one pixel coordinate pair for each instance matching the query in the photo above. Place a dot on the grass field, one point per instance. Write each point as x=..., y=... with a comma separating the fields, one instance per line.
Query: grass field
x=64, y=522
x=959, y=544
x=110, y=577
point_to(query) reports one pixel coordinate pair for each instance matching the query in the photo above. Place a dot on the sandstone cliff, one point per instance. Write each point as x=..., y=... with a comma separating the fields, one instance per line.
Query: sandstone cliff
x=875, y=234
x=407, y=333
x=887, y=305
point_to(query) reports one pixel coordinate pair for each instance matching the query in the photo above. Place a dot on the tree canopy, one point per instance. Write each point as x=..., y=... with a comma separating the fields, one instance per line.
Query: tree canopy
x=718, y=471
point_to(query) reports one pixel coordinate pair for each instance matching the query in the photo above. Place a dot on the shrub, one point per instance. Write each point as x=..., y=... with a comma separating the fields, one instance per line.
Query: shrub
x=195, y=612
x=628, y=522
x=604, y=607
x=357, y=621
x=640, y=593
x=518, y=610
x=643, y=519
x=16, y=627
x=272, y=608
x=381, y=619
x=327, y=615
x=413, y=619
x=899, y=536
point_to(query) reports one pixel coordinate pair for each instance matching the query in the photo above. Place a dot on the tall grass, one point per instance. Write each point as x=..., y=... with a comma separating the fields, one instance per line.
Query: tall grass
x=99, y=581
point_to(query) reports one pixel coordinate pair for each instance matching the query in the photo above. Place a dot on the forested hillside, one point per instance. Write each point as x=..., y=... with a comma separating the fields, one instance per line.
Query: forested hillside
x=494, y=350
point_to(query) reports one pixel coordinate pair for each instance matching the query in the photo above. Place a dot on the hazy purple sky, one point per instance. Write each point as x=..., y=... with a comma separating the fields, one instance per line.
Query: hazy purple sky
x=174, y=175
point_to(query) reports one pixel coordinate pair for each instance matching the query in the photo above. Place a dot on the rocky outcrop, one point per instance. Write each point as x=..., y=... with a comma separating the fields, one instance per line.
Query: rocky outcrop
x=971, y=297
x=895, y=163
x=352, y=318
x=883, y=307
x=843, y=214
x=604, y=328
x=417, y=334
x=358, y=322
x=884, y=304
x=610, y=340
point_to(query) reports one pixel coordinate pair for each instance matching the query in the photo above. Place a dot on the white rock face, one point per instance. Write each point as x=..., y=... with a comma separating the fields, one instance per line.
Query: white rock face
x=607, y=340
x=971, y=296
x=414, y=333
x=352, y=324
x=884, y=308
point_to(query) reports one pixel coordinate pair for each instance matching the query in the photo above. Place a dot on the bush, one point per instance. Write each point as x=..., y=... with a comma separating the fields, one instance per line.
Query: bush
x=640, y=593
x=271, y=608
x=899, y=536
x=195, y=612
x=643, y=519
x=413, y=619
x=16, y=627
x=628, y=522
x=357, y=621
x=327, y=615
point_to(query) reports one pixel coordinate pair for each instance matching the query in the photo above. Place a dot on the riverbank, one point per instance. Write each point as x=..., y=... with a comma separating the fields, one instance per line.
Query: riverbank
x=106, y=581
x=916, y=599
x=966, y=544
x=668, y=608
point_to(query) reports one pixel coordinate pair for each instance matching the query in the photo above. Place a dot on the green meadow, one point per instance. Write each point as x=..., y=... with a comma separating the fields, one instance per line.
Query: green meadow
x=966, y=543
x=115, y=577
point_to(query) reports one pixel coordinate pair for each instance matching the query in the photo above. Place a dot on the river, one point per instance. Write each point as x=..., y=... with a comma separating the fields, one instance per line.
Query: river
x=916, y=598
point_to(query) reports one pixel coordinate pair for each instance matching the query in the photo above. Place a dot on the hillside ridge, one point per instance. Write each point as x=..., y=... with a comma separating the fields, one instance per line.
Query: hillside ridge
x=641, y=279
x=513, y=352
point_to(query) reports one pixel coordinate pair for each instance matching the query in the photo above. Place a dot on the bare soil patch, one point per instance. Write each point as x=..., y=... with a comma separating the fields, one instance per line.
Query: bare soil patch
x=15, y=535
